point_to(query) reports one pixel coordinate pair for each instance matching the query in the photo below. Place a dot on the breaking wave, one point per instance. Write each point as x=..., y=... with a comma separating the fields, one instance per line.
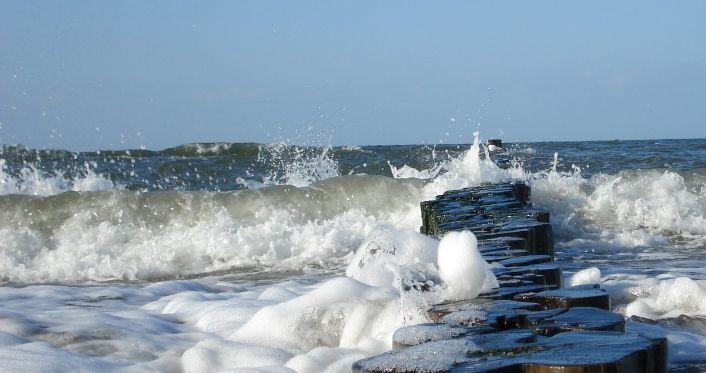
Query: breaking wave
x=630, y=208
x=305, y=215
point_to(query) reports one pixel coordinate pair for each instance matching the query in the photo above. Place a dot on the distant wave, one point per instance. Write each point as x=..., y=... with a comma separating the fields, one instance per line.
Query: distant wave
x=199, y=149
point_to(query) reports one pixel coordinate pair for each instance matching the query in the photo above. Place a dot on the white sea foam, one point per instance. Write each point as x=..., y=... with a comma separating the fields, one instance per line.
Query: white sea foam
x=211, y=325
x=352, y=148
x=396, y=259
x=324, y=327
x=666, y=298
x=399, y=260
x=462, y=267
x=467, y=170
x=205, y=148
x=586, y=276
x=528, y=150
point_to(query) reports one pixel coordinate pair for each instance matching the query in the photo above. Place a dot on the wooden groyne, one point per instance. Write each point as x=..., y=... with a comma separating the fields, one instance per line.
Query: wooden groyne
x=531, y=322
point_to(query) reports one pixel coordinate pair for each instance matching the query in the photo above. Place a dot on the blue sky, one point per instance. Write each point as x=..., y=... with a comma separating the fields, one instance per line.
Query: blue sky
x=115, y=74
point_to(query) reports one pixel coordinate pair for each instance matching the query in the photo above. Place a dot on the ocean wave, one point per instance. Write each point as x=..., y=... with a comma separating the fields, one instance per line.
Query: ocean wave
x=349, y=148
x=201, y=149
x=305, y=214
x=21, y=153
x=630, y=208
x=126, y=235
x=236, y=150
x=244, y=150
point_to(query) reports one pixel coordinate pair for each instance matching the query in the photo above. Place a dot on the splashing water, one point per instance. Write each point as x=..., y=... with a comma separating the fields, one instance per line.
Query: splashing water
x=31, y=181
x=297, y=166
x=312, y=216
x=468, y=170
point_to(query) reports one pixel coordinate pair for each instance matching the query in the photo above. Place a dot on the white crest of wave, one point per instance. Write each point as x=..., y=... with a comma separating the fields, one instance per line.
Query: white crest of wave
x=653, y=199
x=527, y=150
x=131, y=236
x=630, y=208
x=31, y=181
x=627, y=209
x=204, y=148
x=406, y=172
x=352, y=148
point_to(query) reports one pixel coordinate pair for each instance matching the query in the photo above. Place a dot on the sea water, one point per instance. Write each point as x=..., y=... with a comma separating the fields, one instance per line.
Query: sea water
x=274, y=257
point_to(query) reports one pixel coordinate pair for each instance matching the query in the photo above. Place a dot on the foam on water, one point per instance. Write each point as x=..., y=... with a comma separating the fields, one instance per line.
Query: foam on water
x=194, y=326
x=203, y=148
x=126, y=235
x=667, y=298
x=327, y=326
